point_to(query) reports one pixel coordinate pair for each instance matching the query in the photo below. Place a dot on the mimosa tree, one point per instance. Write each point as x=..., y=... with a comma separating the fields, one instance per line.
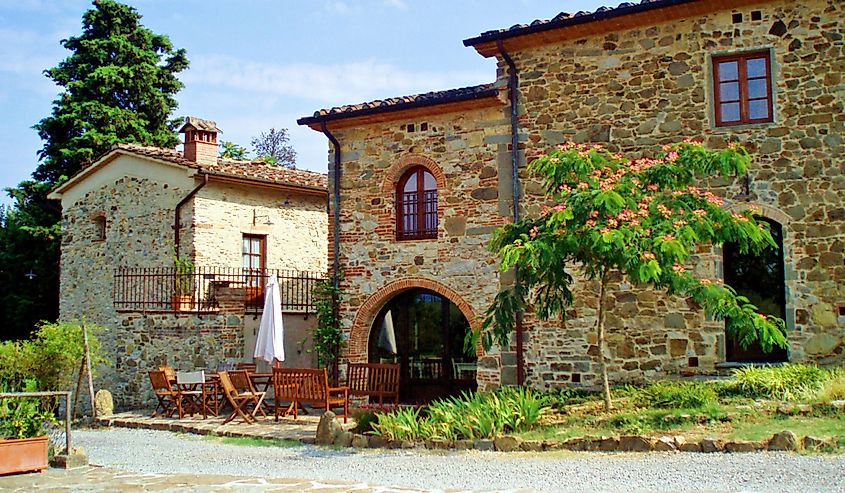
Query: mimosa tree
x=641, y=218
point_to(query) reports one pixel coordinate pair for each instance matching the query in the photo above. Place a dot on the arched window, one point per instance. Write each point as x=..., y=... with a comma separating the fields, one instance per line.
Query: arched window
x=99, y=227
x=416, y=205
x=759, y=277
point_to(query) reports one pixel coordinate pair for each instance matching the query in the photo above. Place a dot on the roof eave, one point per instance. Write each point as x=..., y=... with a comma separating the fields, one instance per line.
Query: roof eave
x=315, y=121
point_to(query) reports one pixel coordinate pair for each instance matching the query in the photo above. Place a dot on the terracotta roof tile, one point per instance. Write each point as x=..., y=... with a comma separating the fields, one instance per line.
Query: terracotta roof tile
x=200, y=124
x=402, y=102
x=251, y=170
x=564, y=18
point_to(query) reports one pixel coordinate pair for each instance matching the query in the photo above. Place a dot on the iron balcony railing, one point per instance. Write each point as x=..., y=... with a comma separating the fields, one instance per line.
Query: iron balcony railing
x=166, y=289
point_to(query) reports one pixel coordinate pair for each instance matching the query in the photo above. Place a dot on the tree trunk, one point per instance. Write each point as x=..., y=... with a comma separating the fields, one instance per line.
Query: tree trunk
x=608, y=405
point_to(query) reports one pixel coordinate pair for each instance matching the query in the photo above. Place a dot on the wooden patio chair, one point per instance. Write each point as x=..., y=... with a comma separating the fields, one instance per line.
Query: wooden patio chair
x=249, y=367
x=191, y=388
x=243, y=384
x=238, y=401
x=169, y=399
x=169, y=372
x=309, y=385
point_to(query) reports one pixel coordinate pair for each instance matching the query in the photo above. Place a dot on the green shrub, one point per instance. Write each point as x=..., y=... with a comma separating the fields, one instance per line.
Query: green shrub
x=833, y=389
x=566, y=396
x=468, y=416
x=402, y=424
x=675, y=395
x=52, y=357
x=784, y=382
x=364, y=420
x=24, y=417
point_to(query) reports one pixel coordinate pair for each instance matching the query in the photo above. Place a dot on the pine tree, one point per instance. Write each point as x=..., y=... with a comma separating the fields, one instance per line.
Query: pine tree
x=119, y=86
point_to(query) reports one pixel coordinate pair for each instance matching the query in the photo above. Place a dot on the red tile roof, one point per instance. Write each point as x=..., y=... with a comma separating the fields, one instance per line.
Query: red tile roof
x=400, y=103
x=248, y=170
x=565, y=19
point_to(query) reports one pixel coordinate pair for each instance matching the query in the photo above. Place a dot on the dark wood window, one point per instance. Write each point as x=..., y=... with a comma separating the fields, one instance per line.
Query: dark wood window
x=416, y=205
x=254, y=262
x=99, y=228
x=742, y=87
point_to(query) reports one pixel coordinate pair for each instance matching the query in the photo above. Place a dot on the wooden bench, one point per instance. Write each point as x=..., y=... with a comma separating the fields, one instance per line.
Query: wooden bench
x=374, y=380
x=307, y=386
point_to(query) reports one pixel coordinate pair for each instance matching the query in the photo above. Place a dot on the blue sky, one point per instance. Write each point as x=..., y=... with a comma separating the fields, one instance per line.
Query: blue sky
x=257, y=64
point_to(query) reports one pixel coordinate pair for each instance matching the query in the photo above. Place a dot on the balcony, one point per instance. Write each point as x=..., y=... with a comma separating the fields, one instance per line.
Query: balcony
x=164, y=289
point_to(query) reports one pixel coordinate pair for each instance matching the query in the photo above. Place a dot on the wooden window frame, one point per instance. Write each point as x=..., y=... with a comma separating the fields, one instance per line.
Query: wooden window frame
x=421, y=232
x=262, y=251
x=742, y=81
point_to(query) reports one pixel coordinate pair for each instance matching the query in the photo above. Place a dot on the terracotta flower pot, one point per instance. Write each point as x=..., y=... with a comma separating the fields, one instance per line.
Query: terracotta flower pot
x=23, y=455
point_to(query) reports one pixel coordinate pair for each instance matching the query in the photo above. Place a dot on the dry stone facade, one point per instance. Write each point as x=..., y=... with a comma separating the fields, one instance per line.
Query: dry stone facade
x=631, y=90
x=137, y=198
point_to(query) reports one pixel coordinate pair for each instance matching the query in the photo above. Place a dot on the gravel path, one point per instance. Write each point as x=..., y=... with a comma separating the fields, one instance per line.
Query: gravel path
x=146, y=451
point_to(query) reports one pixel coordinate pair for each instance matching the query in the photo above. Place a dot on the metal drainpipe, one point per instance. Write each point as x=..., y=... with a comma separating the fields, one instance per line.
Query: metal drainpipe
x=336, y=200
x=335, y=236
x=178, y=216
x=513, y=94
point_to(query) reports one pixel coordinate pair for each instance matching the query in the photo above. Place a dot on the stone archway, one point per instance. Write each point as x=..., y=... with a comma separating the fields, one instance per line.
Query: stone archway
x=359, y=336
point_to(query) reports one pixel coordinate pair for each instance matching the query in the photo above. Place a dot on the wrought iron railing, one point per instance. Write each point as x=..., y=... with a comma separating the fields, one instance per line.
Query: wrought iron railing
x=166, y=289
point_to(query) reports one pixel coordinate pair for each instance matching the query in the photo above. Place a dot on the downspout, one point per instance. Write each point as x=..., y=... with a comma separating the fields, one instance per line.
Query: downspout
x=178, y=216
x=513, y=94
x=335, y=237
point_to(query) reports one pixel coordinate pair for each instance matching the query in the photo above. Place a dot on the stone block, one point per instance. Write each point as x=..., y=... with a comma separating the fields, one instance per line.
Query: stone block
x=327, y=429
x=507, y=443
x=710, y=445
x=344, y=439
x=739, y=446
x=485, y=445
x=784, y=441
x=665, y=444
x=77, y=458
x=531, y=446
x=359, y=441
x=814, y=443
x=377, y=441
x=635, y=443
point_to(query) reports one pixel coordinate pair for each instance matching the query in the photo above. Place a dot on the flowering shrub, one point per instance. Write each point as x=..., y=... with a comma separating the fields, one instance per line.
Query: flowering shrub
x=640, y=217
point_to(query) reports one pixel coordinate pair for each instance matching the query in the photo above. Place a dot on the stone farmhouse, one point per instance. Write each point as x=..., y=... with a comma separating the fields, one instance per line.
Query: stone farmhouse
x=418, y=183
x=131, y=212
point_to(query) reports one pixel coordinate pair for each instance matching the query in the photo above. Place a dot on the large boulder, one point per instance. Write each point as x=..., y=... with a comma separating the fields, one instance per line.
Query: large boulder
x=785, y=440
x=103, y=403
x=328, y=429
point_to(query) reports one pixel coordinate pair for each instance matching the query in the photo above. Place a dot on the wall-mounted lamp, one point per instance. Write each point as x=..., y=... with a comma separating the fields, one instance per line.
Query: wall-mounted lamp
x=255, y=217
x=30, y=275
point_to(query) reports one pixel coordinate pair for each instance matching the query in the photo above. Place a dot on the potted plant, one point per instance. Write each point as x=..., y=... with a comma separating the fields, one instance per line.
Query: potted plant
x=183, y=292
x=23, y=438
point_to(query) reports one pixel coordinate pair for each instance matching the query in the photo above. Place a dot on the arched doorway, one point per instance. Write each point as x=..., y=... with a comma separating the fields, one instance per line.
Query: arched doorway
x=760, y=278
x=424, y=332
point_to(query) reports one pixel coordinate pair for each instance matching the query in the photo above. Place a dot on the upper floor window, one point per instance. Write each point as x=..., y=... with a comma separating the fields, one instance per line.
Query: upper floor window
x=742, y=88
x=99, y=227
x=416, y=205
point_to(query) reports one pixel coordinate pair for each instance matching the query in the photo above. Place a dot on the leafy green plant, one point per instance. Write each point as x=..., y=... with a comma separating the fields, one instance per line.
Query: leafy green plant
x=833, y=389
x=641, y=218
x=184, y=270
x=403, y=424
x=365, y=420
x=783, y=382
x=674, y=395
x=327, y=335
x=24, y=417
x=51, y=357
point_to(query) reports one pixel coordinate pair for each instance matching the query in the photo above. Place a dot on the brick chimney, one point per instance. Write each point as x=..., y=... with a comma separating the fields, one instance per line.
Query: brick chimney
x=200, y=140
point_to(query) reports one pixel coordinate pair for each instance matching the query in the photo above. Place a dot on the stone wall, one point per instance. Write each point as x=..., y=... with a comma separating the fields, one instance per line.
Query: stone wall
x=297, y=233
x=632, y=91
x=636, y=90
x=467, y=153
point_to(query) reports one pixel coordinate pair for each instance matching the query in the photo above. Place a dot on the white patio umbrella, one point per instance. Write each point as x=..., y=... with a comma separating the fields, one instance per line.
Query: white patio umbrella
x=270, y=343
x=387, y=337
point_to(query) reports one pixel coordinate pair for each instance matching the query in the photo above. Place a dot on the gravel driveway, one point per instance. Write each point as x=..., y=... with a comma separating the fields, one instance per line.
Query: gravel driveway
x=146, y=451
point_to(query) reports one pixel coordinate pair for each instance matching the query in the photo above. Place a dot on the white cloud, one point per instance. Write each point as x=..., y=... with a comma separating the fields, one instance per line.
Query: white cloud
x=338, y=7
x=326, y=84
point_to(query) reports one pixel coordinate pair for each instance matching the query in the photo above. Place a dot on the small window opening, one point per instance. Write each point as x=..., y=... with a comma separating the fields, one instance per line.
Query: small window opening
x=99, y=228
x=842, y=310
x=756, y=15
x=410, y=127
x=693, y=362
x=737, y=18
x=576, y=378
x=423, y=127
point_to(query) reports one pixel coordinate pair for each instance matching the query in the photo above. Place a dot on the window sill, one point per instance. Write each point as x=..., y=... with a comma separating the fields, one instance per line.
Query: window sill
x=743, y=126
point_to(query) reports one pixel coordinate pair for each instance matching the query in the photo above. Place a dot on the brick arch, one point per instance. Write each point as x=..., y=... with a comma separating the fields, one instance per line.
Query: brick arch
x=397, y=169
x=764, y=211
x=359, y=337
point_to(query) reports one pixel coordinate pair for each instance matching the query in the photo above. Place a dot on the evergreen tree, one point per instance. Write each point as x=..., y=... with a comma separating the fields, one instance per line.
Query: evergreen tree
x=119, y=86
